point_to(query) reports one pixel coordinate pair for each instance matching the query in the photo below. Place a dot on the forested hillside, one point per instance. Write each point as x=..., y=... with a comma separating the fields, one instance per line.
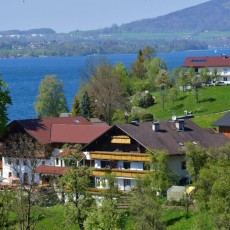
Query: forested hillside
x=210, y=16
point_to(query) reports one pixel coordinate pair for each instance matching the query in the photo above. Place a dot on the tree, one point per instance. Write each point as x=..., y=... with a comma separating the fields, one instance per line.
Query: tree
x=148, y=52
x=160, y=177
x=173, y=94
x=75, y=107
x=196, y=83
x=205, y=75
x=75, y=183
x=163, y=82
x=51, y=100
x=85, y=106
x=196, y=157
x=182, y=79
x=106, y=215
x=106, y=92
x=213, y=186
x=137, y=68
x=24, y=153
x=5, y=100
x=145, y=210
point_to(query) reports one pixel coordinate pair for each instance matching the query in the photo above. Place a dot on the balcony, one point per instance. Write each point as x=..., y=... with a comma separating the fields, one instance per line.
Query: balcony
x=119, y=172
x=121, y=156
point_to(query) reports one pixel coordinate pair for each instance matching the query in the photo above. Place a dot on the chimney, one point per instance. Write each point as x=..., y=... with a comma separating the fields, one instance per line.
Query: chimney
x=179, y=124
x=156, y=126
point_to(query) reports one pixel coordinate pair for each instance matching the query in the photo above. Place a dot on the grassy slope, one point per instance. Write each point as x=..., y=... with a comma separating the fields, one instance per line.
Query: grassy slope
x=212, y=100
x=54, y=218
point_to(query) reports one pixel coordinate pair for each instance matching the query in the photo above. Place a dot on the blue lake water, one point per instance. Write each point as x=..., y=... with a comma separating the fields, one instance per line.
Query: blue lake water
x=24, y=75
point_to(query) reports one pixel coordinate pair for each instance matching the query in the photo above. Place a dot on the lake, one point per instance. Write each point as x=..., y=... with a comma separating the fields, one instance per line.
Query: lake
x=24, y=75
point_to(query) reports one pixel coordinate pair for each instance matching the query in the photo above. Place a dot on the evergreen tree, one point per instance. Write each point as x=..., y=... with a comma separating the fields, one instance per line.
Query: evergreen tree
x=75, y=107
x=51, y=100
x=85, y=108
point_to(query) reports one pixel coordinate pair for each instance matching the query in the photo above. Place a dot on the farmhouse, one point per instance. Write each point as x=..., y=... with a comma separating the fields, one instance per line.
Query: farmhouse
x=52, y=133
x=218, y=64
x=122, y=150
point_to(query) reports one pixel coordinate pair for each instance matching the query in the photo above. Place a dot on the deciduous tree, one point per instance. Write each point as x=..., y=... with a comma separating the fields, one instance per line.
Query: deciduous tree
x=25, y=154
x=5, y=101
x=107, y=92
x=163, y=82
x=51, y=100
x=75, y=183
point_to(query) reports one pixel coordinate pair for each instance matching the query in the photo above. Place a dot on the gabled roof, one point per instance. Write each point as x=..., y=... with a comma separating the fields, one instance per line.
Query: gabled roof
x=168, y=138
x=208, y=61
x=51, y=170
x=81, y=134
x=223, y=121
x=40, y=129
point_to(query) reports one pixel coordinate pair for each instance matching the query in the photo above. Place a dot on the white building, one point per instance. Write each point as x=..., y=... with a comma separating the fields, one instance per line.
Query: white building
x=219, y=64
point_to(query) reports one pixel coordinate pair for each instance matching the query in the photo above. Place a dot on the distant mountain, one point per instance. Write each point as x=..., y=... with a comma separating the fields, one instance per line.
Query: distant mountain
x=210, y=16
x=26, y=32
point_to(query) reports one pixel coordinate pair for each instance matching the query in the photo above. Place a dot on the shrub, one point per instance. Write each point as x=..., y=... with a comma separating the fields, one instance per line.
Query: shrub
x=147, y=117
x=142, y=99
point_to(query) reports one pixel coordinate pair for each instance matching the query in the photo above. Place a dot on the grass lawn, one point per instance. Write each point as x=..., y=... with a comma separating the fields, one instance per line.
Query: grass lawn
x=52, y=218
x=212, y=100
x=175, y=219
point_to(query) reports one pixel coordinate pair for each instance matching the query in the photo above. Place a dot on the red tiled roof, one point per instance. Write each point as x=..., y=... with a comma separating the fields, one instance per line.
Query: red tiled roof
x=211, y=61
x=79, y=134
x=53, y=170
x=40, y=129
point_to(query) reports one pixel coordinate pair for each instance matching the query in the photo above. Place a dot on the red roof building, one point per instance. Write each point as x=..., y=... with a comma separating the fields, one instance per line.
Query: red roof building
x=218, y=64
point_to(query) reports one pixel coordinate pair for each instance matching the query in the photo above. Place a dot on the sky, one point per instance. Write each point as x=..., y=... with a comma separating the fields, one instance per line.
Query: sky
x=69, y=15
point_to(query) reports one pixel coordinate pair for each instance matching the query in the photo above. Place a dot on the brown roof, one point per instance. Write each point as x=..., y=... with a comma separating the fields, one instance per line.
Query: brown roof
x=40, y=129
x=53, y=170
x=170, y=138
x=211, y=61
x=80, y=134
x=167, y=138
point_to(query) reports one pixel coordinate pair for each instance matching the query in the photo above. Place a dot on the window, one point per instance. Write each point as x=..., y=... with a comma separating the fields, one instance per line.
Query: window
x=43, y=162
x=126, y=165
x=10, y=174
x=225, y=70
x=225, y=79
x=183, y=165
x=127, y=184
x=17, y=161
x=105, y=164
x=9, y=161
x=18, y=175
x=25, y=162
x=57, y=161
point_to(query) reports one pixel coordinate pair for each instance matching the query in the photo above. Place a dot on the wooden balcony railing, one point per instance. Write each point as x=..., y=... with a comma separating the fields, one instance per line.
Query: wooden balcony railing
x=126, y=156
x=120, y=172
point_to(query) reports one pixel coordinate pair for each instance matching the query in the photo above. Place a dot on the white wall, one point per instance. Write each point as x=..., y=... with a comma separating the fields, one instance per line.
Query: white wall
x=21, y=168
x=175, y=163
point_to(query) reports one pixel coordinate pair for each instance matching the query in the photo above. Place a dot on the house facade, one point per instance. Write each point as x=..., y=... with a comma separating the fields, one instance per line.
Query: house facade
x=220, y=64
x=122, y=150
x=52, y=133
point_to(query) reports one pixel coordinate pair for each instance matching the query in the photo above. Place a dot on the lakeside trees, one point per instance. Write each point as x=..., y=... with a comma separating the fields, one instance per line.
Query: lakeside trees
x=5, y=101
x=51, y=100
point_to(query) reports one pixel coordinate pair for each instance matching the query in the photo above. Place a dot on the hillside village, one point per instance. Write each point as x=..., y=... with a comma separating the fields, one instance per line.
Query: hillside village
x=39, y=154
